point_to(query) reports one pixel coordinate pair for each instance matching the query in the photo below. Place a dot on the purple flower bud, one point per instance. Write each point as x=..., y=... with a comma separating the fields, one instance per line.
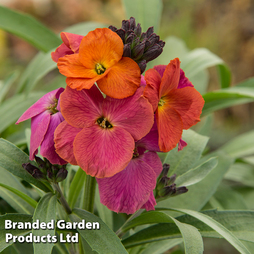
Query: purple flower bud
x=149, y=31
x=138, y=51
x=121, y=33
x=132, y=23
x=113, y=28
x=61, y=175
x=138, y=30
x=152, y=53
x=127, y=50
x=142, y=65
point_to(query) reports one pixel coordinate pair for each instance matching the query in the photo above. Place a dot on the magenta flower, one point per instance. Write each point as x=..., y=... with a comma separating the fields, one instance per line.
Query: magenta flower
x=45, y=117
x=132, y=188
x=99, y=134
x=69, y=46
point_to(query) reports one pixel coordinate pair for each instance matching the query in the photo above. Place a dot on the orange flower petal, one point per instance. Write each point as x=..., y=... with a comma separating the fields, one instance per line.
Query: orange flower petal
x=170, y=77
x=122, y=80
x=101, y=46
x=70, y=66
x=151, y=92
x=188, y=102
x=170, y=127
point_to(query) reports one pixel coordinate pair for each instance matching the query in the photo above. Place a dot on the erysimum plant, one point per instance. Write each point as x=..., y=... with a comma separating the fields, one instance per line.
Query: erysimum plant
x=109, y=163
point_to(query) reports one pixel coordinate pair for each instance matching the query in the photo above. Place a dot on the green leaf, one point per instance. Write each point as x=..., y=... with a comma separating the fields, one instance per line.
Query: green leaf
x=227, y=223
x=76, y=187
x=241, y=172
x=7, y=83
x=14, y=107
x=12, y=158
x=29, y=29
x=199, y=59
x=193, y=243
x=225, y=76
x=26, y=198
x=146, y=12
x=14, y=232
x=219, y=228
x=83, y=28
x=225, y=98
x=199, y=194
x=103, y=240
x=182, y=161
x=227, y=199
x=41, y=65
x=161, y=246
x=12, y=199
x=197, y=174
x=240, y=146
x=45, y=212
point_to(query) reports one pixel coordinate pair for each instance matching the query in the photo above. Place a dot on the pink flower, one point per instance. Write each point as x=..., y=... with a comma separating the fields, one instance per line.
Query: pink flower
x=45, y=117
x=99, y=134
x=69, y=46
x=132, y=188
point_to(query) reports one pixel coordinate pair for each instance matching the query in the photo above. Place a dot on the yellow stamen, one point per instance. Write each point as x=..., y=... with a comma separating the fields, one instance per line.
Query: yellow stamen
x=161, y=102
x=99, y=68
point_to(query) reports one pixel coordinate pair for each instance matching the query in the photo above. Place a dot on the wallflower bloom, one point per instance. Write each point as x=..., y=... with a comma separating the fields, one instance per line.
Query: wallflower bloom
x=99, y=134
x=45, y=117
x=132, y=188
x=100, y=60
x=176, y=103
x=69, y=46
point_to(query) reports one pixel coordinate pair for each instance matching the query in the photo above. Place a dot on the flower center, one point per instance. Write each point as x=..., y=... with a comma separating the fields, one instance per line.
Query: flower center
x=104, y=123
x=161, y=102
x=53, y=107
x=135, y=153
x=99, y=68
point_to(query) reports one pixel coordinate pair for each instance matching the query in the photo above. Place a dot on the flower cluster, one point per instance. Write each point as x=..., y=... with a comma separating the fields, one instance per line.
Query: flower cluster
x=110, y=120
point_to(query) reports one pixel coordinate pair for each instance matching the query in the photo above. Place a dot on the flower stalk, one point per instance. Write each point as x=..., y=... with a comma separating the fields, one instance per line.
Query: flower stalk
x=89, y=194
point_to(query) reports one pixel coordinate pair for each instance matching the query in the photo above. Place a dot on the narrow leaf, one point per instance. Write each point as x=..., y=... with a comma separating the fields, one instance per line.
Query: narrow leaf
x=29, y=29
x=14, y=232
x=197, y=174
x=26, y=198
x=182, y=161
x=45, y=212
x=193, y=243
x=103, y=240
x=146, y=12
x=11, y=159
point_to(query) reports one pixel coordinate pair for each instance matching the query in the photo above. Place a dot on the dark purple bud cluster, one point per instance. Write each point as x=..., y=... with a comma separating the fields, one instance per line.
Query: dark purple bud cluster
x=165, y=185
x=46, y=171
x=141, y=47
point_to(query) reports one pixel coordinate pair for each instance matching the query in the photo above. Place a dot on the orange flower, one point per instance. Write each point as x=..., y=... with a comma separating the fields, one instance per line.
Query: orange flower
x=100, y=60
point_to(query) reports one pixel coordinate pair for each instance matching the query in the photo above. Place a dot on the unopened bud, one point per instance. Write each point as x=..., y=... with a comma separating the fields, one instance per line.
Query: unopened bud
x=61, y=175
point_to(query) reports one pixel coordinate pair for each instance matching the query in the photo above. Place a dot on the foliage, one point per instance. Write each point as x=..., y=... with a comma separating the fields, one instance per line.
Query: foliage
x=184, y=219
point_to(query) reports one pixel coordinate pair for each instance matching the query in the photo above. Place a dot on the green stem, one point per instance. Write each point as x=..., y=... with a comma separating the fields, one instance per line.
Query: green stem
x=89, y=194
x=62, y=198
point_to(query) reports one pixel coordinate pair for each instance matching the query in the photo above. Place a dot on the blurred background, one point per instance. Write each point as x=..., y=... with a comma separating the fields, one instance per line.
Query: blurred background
x=225, y=27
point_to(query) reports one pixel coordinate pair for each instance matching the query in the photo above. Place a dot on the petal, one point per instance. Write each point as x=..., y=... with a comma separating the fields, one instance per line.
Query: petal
x=142, y=81
x=101, y=46
x=181, y=144
x=41, y=105
x=81, y=108
x=48, y=145
x=188, y=102
x=170, y=77
x=39, y=127
x=103, y=152
x=122, y=80
x=72, y=41
x=151, y=92
x=160, y=69
x=170, y=128
x=184, y=81
x=150, y=204
x=70, y=66
x=61, y=51
x=134, y=114
x=64, y=138
x=127, y=191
